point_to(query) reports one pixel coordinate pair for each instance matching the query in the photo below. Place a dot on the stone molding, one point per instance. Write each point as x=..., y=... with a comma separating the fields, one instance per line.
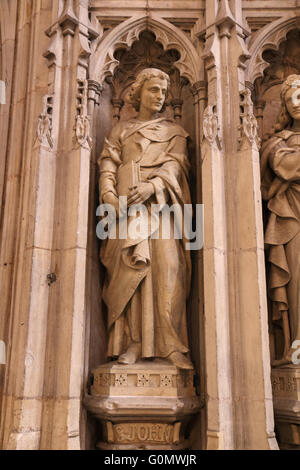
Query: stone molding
x=123, y=36
x=269, y=37
x=115, y=379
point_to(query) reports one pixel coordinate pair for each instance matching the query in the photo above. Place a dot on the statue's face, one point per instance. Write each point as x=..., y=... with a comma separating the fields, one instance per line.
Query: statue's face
x=153, y=94
x=292, y=101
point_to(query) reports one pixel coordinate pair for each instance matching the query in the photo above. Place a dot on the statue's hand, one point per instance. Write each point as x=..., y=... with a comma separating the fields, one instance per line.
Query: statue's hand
x=140, y=193
x=110, y=198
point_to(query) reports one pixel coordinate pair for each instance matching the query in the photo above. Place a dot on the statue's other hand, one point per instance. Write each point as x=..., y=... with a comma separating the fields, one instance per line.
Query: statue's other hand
x=140, y=193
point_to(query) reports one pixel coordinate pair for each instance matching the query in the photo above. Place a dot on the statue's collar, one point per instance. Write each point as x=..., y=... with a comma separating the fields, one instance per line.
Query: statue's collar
x=154, y=130
x=286, y=134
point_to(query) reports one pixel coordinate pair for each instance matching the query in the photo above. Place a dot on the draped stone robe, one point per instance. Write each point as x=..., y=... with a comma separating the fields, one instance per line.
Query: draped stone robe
x=147, y=280
x=281, y=188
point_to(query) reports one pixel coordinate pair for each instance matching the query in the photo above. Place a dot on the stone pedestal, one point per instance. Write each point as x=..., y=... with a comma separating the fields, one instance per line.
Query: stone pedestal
x=148, y=405
x=286, y=396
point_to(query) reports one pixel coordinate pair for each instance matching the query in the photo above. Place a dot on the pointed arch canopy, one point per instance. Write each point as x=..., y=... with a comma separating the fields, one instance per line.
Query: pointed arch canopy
x=270, y=37
x=103, y=63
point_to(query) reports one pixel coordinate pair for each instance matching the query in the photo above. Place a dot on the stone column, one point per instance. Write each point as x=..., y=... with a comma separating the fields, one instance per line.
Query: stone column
x=239, y=406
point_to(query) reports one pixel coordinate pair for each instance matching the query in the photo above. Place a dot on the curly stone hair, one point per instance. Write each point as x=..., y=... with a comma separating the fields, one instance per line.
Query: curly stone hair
x=284, y=119
x=133, y=96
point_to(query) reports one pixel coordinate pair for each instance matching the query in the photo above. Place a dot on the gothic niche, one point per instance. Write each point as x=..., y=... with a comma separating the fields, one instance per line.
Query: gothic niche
x=284, y=62
x=277, y=104
x=145, y=53
x=149, y=53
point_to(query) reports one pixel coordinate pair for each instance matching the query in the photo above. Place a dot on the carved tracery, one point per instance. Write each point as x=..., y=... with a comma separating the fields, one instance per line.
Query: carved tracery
x=270, y=38
x=279, y=62
x=104, y=62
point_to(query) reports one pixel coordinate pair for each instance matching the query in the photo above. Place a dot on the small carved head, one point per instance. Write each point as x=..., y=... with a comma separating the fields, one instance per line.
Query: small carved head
x=290, y=102
x=134, y=94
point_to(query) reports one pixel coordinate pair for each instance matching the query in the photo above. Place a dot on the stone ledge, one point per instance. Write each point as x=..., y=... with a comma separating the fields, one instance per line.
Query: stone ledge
x=157, y=378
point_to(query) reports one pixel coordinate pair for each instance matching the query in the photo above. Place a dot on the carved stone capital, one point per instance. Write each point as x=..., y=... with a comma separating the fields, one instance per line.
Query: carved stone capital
x=95, y=86
x=94, y=91
x=199, y=91
x=199, y=87
x=260, y=106
x=68, y=21
x=176, y=104
x=117, y=106
x=117, y=102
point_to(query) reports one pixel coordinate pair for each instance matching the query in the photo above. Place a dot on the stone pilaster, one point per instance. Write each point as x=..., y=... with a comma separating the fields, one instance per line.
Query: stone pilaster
x=44, y=374
x=66, y=327
x=27, y=230
x=237, y=351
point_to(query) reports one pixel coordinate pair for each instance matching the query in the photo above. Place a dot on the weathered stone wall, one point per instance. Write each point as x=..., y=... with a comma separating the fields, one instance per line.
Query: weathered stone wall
x=57, y=59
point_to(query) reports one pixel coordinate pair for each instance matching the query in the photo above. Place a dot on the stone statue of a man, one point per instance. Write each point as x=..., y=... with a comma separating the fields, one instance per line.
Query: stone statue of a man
x=280, y=164
x=147, y=278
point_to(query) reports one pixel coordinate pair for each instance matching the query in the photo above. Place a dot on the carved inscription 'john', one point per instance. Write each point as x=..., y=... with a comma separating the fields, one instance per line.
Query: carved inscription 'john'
x=143, y=432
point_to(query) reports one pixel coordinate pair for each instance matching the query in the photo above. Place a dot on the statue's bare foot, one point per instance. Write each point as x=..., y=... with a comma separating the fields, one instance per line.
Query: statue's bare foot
x=132, y=354
x=180, y=360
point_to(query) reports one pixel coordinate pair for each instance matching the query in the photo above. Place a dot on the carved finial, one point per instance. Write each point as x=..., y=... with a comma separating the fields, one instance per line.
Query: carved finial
x=249, y=127
x=44, y=127
x=211, y=128
x=82, y=125
x=94, y=91
x=224, y=18
x=68, y=19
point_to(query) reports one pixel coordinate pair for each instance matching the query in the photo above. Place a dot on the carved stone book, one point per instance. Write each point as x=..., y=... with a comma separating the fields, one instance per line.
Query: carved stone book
x=128, y=175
